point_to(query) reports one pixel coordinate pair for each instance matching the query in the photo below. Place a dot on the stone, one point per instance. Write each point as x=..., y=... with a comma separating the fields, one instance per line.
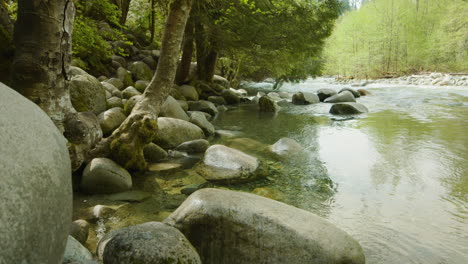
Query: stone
x=194, y=146
x=236, y=227
x=348, y=109
x=189, y=92
x=355, y=93
x=129, y=92
x=230, y=96
x=191, y=188
x=151, y=242
x=128, y=106
x=154, y=153
x=221, y=81
x=74, y=71
x=121, y=60
x=199, y=119
x=111, y=120
x=222, y=108
x=140, y=71
x=150, y=62
x=112, y=89
x=87, y=94
x=176, y=93
x=173, y=132
x=102, y=176
x=125, y=76
x=102, y=78
x=141, y=85
x=203, y=106
x=305, y=98
x=108, y=95
x=363, y=92
x=114, y=102
x=240, y=92
x=325, y=93
x=75, y=252
x=223, y=165
x=342, y=97
x=116, y=82
x=285, y=95
x=165, y=167
x=286, y=147
x=79, y=230
x=217, y=100
x=267, y=104
x=35, y=189
x=171, y=108
x=183, y=104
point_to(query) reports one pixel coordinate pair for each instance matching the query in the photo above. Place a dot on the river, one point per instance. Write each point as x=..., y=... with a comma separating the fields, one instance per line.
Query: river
x=395, y=179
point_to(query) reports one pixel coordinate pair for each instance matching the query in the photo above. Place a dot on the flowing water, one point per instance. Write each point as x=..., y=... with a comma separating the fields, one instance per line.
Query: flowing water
x=395, y=179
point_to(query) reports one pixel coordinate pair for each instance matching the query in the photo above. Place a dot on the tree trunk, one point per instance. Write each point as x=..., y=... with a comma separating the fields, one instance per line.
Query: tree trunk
x=124, y=6
x=140, y=128
x=153, y=21
x=43, y=54
x=6, y=44
x=206, y=55
x=187, y=53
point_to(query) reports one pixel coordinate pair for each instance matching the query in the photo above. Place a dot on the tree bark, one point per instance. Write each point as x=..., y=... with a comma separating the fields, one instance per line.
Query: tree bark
x=43, y=54
x=124, y=6
x=125, y=145
x=206, y=55
x=6, y=45
x=153, y=21
x=187, y=53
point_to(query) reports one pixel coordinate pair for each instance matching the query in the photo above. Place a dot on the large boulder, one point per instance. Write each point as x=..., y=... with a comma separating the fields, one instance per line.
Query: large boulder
x=154, y=153
x=140, y=71
x=221, y=81
x=286, y=147
x=194, y=146
x=116, y=82
x=217, y=100
x=236, y=227
x=35, y=188
x=87, y=94
x=79, y=230
x=151, y=242
x=172, y=108
x=129, y=92
x=141, y=85
x=342, y=97
x=189, y=92
x=325, y=93
x=173, y=132
x=203, y=106
x=348, y=109
x=111, y=119
x=199, y=119
x=267, y=104
x=227, y=165
x=121, y=60
x=114, y=102
x=125, y=76
x=75, y=252
x=301, y=98
x=103, y=175
x=355, y=93
x=230, y=96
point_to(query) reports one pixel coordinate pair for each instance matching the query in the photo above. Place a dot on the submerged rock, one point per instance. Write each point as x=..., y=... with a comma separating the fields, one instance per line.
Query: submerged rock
x=235, y=227
x=342, y=97
x=173, y=132
x=348, y=109
x=151, y=242
x=286, y=147
x=103, y=175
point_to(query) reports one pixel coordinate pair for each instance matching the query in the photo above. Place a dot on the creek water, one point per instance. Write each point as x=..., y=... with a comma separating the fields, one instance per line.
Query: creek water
x=395, y=179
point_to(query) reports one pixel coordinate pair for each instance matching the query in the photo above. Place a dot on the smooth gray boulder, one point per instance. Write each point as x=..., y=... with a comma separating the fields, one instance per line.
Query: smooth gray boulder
x=325, y=93
x=79, y=230
x=301, y=98
x=172, y=108
x=116, y=82
x=189, y=92
x=267, y=104
x=199, y=119
x=141, y=85
x=140, y=71
x=125, y=76
x=154, y=153
x=35, y=188
x=217, y=100
x=221, y=81
x=114, y=102
x=237, y=227
x=348, y=109
x=286, y=147
x=203, y=106
x=151, y=242
x=230, y=96
x=222, y=164
x=173, y=132
x=103, y=176
x=87, y=94
x=121, y=60
x=111, y=120
x=129, y=92
x=355, y=93
x=75, y=252
x=342, y=97
x=183, y=104
x=194, y=146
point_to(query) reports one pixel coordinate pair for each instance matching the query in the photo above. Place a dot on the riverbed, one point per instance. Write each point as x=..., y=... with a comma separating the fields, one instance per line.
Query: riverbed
x=396, y=179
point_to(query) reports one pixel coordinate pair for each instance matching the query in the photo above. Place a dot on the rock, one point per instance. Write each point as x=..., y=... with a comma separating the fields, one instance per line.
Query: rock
x=305, y=98
x=111, y=119
x=445, y=81
x=151, y=242
x=183, y=104
x=285, y=95
x=141, y=71
x=207, y=116
x=222, y=164
x=102, y=78
x=194, y=146
x=114, y=102
x=230, y=97
x=150, y=62
x=218, y=100
x=203, y=106
x=75, y=252
x=103, y=176
x=222, y=108
x=348, y=109
x=121, y=60
x=355, y=93
x=79, y=230
x=267, y=104
x=173, y=132
x=129, y=92
x=363, y=92
x=325, y=93
x=87, y=94
x=436, y=75
x=189, y=92
x=74, y=71
x=112, y=89
x=171, y=108
x=240, y=92
x=199, y=119
x=286, y=147
x=154, y=153
x=236, y=227
x=116, y=82
x=128, y=106
x=108, y=94
x=260, y=94
x=191, y=188
x=125, y=76
x=35, y=189
x=165, y=167
x=141, y=85
x=342, y=97
x=221, y=81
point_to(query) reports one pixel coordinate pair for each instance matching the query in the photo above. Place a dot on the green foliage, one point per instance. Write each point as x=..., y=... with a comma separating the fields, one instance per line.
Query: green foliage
x=399, y=36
